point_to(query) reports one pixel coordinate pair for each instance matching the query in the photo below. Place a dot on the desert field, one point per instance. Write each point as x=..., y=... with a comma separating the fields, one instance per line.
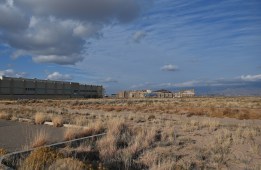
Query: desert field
x=178, y=133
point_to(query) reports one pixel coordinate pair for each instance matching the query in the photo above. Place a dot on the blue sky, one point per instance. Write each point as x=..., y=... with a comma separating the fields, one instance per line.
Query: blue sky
x=131, y=44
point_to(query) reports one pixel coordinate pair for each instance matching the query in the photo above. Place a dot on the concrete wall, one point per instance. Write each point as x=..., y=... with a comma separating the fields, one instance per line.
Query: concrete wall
x=19, y=88
x=5, y=87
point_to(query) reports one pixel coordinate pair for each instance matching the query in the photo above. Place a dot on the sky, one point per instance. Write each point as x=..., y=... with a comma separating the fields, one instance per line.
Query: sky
x=133, y=44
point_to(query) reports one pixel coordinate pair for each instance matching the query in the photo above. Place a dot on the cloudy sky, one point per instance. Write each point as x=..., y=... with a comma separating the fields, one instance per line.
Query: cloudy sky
x=133, y=44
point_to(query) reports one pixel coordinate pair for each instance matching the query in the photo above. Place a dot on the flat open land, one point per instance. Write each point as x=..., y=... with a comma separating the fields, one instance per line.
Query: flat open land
x=179, y=133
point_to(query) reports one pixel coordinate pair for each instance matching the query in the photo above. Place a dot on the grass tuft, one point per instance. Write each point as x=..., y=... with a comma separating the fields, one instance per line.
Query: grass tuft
x=40, y=139
x=39, y=118
x=67, y=163
x=41, y=158
x=57, y=121
x=2, y=152
x=5, y=116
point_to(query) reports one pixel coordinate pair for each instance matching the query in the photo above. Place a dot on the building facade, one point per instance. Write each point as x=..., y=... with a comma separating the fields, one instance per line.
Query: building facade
x=34, y=88
x=156, y=94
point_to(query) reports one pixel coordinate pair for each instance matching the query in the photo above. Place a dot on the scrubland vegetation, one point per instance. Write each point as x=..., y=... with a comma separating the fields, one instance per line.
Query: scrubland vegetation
x=186, y=133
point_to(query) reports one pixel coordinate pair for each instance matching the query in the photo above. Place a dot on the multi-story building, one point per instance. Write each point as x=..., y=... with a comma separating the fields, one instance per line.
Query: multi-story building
x=34, y=88
x=185, y=93
x=155, y=94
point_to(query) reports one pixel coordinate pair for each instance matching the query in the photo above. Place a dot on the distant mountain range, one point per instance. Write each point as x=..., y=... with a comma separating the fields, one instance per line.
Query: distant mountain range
x=230, y=90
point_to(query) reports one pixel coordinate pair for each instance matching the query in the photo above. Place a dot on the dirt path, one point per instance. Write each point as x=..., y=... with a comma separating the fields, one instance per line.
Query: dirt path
x=14, y=136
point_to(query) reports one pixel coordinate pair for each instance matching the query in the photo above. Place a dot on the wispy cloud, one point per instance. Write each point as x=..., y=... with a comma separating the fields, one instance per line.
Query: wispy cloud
x=12, y=73
x=138, y=36
x=251, y=77
x=169, y=67
x=59, y=76
x=109, y=80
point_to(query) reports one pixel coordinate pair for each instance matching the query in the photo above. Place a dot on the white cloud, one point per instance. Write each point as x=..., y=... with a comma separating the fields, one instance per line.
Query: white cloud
x=86, y=30
x=251, y=77
x=55, y=31
x=138, y=36
x=59, y=76
x=62, y=60
x=48, y=40
x=12, y=73
x=169, y=67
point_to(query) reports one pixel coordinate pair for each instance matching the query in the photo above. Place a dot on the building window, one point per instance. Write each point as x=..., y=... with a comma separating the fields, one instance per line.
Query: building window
x=86, y=91
x=29, y=89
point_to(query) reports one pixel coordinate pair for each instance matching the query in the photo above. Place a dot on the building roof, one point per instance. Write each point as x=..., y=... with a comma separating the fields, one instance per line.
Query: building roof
x=48, y=81
x=163, y=91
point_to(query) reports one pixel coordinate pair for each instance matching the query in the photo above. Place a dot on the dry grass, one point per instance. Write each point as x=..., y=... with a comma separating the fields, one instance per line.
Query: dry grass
x=39, y=118
x=107, y=149
x=169, y=135
x=5, y=116
x=41, y=158
x=165, y=165
x=123, y=143
x=163, y=133
x=212, y=124
x=91, y=129
x=2, y=152
x=67, y=164
x=232, y=107
x=240, y=108
x=41, y=138
x=118, y=136
x=95, y=127
x=158, y=155
x=80, y=121
x=243, y=134
x=218, y=151
x=57, y=121
x=255, y=148
x=72, y=133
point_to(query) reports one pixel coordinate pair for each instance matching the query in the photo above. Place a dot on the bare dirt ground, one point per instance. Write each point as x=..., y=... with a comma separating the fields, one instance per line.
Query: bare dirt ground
x=185, y=133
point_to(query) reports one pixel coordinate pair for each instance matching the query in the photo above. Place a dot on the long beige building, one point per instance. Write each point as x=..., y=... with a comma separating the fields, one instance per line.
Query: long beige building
x=34, y=88
x=156, y=94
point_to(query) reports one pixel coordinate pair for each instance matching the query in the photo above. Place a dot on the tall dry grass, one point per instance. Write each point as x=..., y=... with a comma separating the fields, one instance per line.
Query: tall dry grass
x=123, y=143
x=4, y=115
x=113, y=147
x=2, y=152
x=220, y=148
x=93, y=128
x=67, y=164
x=39, y=159
x=80, y=121
x=41, y=138
x=72, y=133
x=57, y=121
x=40, y=118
